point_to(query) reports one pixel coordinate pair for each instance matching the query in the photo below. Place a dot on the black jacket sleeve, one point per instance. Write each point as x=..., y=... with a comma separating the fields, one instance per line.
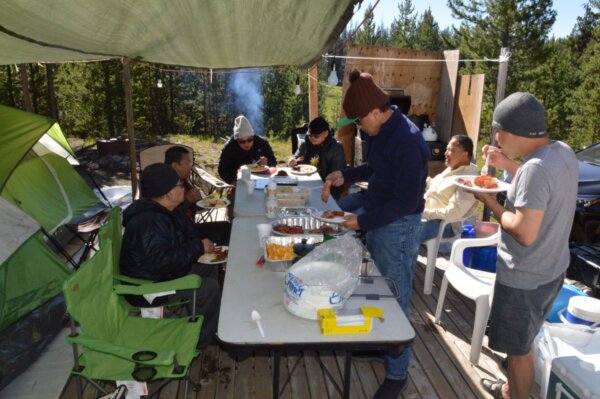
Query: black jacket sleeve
x=227, y=165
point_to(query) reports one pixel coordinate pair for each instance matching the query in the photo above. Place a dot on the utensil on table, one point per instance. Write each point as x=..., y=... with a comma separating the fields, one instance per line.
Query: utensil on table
x=256, y=318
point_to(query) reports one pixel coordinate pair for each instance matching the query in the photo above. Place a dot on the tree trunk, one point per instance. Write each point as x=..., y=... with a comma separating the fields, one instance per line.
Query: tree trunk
x=25, y=87
x=35, y=92
x=108, y=98
x=51, y=94
x=10, y=86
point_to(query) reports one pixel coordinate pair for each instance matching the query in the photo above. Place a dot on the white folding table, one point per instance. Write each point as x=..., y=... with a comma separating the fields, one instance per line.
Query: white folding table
x=249, y=287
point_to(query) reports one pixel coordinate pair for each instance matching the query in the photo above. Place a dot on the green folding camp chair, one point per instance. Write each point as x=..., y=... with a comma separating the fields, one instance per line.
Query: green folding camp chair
x=116, y=346
x=111, y=234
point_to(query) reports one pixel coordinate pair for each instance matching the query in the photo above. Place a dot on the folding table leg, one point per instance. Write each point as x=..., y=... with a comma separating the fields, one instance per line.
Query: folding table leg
x=347, y=370
x=276, y=358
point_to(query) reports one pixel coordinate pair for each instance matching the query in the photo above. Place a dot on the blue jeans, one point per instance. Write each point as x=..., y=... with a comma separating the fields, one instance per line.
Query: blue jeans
x=352, y=203
x=394, y=248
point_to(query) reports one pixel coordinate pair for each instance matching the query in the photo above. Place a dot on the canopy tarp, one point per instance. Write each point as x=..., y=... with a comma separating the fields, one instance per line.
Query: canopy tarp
x=19, y=132
x=206, y=34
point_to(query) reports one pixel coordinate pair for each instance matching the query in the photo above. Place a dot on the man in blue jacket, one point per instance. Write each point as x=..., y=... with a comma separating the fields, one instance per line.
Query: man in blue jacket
x=396, y=170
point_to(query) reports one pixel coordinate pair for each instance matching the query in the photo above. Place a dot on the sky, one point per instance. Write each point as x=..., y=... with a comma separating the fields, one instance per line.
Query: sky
x=386, y=10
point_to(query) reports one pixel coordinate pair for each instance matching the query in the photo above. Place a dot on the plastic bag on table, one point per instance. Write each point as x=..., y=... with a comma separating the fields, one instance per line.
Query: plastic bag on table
x=325, y=278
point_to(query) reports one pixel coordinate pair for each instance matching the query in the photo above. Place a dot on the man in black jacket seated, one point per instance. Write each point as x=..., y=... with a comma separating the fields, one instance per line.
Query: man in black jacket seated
x=162, y=244
x=244, y=148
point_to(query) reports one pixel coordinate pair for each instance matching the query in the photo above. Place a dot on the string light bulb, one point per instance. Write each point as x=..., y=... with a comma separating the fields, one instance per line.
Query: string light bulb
x=159, y=82
x=333, y=80
x=297, y=89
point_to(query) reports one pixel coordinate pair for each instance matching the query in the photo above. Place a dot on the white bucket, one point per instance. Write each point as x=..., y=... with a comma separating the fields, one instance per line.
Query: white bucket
x=582, y=310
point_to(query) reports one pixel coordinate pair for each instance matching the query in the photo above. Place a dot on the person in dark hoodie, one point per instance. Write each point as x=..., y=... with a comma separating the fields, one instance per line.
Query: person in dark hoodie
x=322, y=150
x=243, y=148
x=161, y=244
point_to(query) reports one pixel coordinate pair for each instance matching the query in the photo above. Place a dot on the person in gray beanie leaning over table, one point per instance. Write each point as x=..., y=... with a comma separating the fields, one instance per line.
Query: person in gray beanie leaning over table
x=243, y=148
x=533, y=252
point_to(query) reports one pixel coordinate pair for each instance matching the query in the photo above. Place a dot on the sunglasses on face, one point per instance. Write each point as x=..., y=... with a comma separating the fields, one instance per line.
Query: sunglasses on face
x=247, y=141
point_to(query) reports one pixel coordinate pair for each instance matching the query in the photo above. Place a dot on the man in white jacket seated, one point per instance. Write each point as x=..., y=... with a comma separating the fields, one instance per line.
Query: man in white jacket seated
x=443, y=199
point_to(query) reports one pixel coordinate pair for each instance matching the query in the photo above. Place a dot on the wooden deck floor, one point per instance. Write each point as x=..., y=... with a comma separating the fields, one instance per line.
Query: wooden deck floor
x=439, y=368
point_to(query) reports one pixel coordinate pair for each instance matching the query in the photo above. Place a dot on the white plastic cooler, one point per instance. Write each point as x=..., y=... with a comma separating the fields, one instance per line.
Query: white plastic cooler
x=575, y=377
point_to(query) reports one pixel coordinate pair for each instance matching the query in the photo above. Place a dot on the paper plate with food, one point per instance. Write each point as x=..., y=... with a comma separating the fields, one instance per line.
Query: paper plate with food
x=259, y=169
x=481, y=184
x=283, y=177
x=304, y=169
x=331, y=216
x=219, y=255
x=213, y=203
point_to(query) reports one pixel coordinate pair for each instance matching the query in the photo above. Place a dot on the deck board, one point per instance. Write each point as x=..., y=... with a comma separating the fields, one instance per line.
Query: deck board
x=440, y=366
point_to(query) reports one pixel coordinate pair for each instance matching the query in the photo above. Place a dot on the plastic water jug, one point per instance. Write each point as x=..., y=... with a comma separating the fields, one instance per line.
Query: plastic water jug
x=467, y=232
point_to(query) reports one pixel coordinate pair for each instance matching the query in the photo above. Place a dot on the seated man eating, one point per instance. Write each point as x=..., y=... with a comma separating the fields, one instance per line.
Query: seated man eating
x=161, y=244
x=443, y=199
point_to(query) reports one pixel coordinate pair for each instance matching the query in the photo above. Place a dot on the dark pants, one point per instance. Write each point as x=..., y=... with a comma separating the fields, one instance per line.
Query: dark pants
x=208, y=301
x=218, y=232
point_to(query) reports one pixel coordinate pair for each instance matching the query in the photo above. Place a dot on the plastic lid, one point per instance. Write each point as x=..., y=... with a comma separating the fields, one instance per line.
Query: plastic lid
x=585, y=307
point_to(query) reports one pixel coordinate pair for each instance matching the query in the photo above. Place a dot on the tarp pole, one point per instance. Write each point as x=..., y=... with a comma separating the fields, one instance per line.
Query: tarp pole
x=500, y=93
x=313, y=98
x=130, y=133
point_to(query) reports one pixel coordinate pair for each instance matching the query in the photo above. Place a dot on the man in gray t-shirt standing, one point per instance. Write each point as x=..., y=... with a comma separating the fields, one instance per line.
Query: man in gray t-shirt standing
x=533, y=253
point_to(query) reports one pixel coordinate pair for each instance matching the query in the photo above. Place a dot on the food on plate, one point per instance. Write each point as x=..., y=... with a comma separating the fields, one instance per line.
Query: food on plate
x=214, y=202
x=465, y=182
x=486, y=181
x=280, y=252
x=332, y=214
x=282, y=173
x=324, y=229
x=220, y=254
x=304, y=168
x=285, y=229
x=257, y=168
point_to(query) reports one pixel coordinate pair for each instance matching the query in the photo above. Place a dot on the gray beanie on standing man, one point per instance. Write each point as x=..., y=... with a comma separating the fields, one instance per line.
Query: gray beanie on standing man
x=521, y=114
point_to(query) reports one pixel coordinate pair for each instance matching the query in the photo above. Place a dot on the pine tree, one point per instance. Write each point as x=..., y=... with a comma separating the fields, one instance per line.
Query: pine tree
x=403, y=28
x=428, y=33
x=367, y=33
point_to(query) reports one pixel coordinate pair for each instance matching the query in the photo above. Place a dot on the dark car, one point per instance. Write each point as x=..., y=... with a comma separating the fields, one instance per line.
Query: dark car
x=586, y=226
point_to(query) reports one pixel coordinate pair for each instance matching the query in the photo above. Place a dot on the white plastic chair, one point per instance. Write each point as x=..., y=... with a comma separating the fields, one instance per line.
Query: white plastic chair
x=474, y=284
x=433, y=247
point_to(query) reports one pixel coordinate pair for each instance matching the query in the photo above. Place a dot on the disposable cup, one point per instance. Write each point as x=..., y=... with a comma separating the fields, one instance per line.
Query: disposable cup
x=250, y=185
x=246, y=174
x=264, y=230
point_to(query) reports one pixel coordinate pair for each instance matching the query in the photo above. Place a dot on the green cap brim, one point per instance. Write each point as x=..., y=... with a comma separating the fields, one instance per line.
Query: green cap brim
x=345, y=121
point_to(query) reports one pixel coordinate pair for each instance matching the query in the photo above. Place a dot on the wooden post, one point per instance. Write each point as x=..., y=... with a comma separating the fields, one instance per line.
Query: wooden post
x=51, y=94
x=130, y=133
x=313, y=96
x=500, y=92
x=25, y=87
x=447, y=95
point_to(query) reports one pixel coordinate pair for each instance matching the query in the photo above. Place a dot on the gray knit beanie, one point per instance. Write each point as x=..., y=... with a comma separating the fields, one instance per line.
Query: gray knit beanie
x=242, y=128
x=521, y=114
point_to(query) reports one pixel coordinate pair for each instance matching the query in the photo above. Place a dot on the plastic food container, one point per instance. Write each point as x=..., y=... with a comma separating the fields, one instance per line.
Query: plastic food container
x=583, y=310
x=308, y=225
x=287, y=241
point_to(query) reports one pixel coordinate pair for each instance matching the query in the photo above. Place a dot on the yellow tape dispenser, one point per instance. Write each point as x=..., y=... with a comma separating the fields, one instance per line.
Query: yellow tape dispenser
x=355, y=321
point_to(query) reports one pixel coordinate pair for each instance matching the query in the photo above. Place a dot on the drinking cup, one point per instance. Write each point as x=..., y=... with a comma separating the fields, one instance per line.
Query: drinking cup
x=250, y=185
x=264, y=230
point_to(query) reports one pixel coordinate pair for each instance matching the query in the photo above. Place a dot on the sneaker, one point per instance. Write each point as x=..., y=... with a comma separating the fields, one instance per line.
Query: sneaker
x=390, y=389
